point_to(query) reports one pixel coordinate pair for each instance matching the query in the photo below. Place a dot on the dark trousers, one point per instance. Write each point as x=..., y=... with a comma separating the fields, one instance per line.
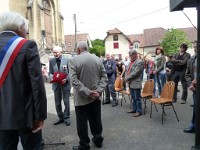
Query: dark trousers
x=180, y=76
x=30, y=141
x=92, y=113
x=60, y=94
x=107, y=94
x=110, y=90
x=193, y=122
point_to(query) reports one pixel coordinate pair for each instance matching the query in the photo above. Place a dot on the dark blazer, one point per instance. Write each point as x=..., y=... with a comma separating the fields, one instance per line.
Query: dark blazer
x=53, y=67
x=110, y=67
x=180, y=63
x=189, y=73
x=22, y=96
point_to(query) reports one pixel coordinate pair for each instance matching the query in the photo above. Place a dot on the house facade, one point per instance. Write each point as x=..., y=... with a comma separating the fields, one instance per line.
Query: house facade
x=144, y=43
x=117, y=43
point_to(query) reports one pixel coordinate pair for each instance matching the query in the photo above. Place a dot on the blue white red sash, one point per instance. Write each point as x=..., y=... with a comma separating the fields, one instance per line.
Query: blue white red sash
x=8, y=55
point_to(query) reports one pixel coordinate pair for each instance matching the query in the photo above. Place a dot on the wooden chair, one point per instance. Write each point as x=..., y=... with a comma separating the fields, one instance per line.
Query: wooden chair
x=120, y=89
x=166, y=98
x=119, y=85
x=147, y=92
x=126, y=92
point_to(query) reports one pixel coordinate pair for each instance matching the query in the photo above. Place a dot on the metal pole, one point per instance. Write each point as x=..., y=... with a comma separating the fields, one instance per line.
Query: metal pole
x=75, y=33
x=197, y=107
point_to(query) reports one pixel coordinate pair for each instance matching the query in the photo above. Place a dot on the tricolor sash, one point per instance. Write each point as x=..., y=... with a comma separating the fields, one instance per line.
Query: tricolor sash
x=8, y=55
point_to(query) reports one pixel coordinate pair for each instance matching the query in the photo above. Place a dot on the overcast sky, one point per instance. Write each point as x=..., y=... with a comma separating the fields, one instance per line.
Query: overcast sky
x=96, y=17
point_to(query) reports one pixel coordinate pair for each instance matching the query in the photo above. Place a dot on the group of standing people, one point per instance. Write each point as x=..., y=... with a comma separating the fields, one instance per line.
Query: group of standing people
x=180, y=67
x=23, y=102
x=131, y=72
x=172, y=69
x=22, y=90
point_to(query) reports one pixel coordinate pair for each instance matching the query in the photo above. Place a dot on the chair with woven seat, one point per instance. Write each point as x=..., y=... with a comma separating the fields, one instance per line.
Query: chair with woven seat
x=147, y=92
x=166, y=98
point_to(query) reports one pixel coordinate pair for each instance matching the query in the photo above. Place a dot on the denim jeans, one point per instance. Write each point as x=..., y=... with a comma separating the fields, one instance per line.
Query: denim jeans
x=160, y=79
x=136, y=100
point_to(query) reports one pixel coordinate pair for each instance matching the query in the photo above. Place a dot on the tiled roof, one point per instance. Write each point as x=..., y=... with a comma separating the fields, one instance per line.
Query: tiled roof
x=116, y=31
x=191, y=33
x=70, y=40
x=137, y=38
x=153, y=36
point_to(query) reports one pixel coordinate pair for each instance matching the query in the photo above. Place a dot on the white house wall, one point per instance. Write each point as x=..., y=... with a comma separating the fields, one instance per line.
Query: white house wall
x=123, y=46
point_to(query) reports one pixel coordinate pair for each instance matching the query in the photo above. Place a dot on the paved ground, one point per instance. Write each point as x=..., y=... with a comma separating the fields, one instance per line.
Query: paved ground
x=124, y=132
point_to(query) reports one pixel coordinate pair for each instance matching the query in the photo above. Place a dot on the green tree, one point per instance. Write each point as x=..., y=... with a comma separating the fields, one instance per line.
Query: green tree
x=98, y=47
x=172, y=40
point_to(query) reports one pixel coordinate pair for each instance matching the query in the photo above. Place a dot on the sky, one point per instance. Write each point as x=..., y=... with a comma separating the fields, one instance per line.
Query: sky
x=96, y=17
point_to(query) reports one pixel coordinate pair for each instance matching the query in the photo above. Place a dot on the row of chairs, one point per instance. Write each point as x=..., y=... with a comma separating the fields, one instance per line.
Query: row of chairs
x=165, y=99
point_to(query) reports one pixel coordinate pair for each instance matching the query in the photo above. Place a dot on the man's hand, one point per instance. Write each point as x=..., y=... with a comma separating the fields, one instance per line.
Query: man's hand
x=191, y=87
x=168, y=70
x=94, y=94
x=64, y=80
x=154, y=72
x=37, y=126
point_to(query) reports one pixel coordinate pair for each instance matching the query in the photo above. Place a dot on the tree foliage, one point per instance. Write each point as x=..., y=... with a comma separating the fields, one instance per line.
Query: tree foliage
x=98, y=47
x=172, y=40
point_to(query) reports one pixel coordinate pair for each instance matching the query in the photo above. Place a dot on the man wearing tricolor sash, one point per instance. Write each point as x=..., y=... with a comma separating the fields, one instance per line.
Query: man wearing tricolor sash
x=23, y=104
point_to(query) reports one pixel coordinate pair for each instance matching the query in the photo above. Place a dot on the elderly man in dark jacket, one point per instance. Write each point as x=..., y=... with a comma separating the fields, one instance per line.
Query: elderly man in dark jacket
x=110, y=66
x=23, y=104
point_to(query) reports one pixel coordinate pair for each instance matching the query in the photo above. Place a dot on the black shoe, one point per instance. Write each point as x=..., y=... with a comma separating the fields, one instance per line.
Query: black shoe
x=189, y=130
x=107, y=102
x=42, y=144
x=114, y=104
x=58, y=122
x=98, y=143
x=75, y=147
x=67, y=123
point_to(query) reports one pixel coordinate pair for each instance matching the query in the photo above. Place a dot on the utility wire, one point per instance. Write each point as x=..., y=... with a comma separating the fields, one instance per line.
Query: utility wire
x=189, y=19
x=132, y=18
x=105, y=13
